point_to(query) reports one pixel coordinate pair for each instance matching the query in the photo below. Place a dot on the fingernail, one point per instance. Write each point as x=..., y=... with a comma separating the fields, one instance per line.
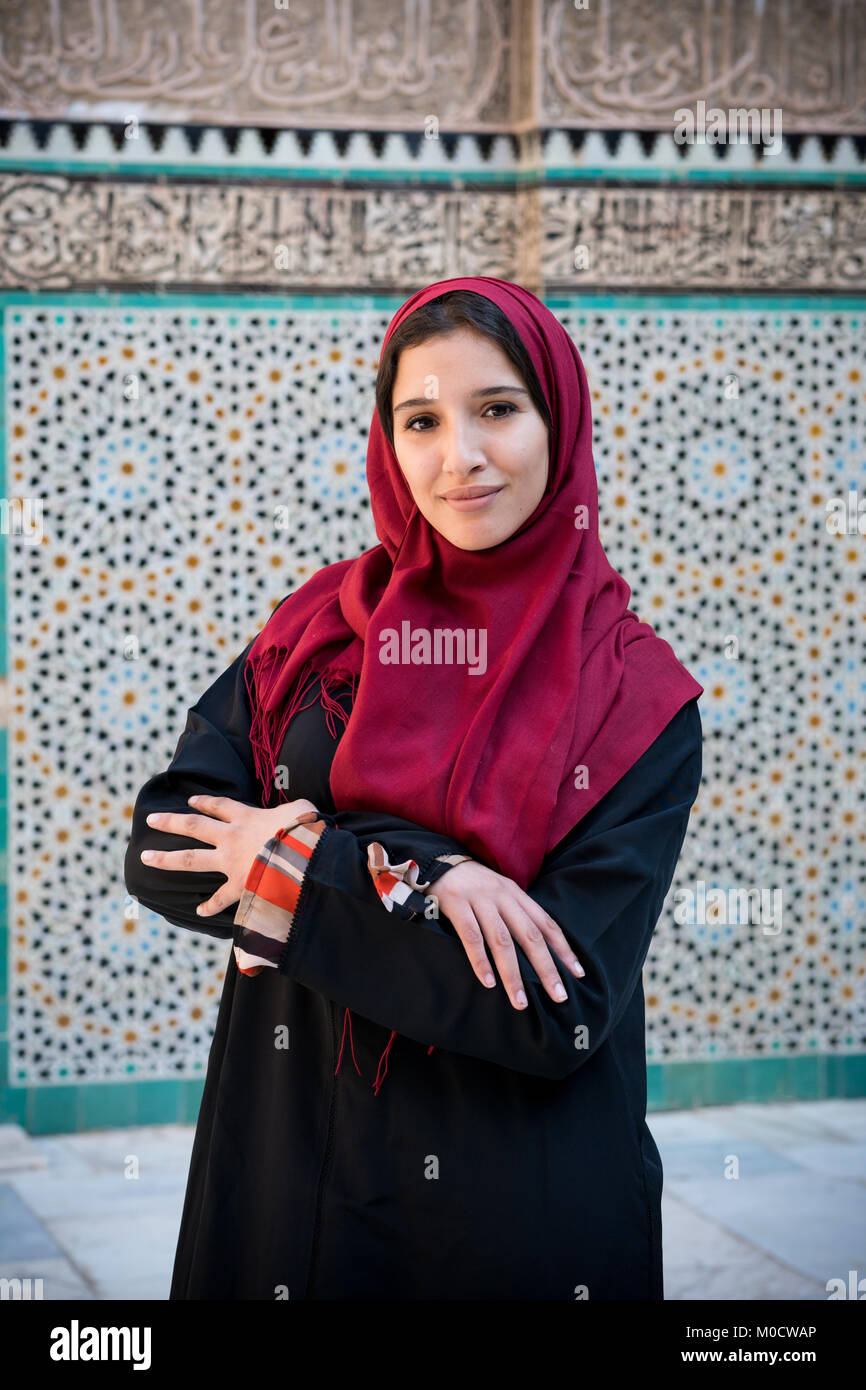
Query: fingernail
x=577, y=967
x=489, y=981
x=560, y=992
x=152, y=817
x=191, y=800
x=201, y=910
x=521, y=999
x=147, y=855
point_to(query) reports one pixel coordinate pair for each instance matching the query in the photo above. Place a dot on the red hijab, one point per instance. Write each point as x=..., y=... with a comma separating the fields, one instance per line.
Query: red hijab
x=573, y=678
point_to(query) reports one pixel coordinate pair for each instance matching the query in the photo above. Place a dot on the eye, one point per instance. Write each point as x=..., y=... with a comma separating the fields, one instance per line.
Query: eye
x=508, y=406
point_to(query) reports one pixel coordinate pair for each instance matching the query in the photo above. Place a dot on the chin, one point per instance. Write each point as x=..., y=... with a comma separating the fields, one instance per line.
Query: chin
x=469, y=533
x=479, y=540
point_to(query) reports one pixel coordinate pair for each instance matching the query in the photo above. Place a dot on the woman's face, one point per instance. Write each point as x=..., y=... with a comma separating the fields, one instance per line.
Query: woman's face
x=469, y=441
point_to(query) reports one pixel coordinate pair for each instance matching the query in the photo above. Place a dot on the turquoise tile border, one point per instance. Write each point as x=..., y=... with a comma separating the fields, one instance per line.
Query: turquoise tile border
x=323, y=174
x=52, y=1109
x=576, y=299
x=158, y=1102
x=458, y=176
x=733, y=1080
x=107, y=1105
x=670, y=1086
x=611, y=173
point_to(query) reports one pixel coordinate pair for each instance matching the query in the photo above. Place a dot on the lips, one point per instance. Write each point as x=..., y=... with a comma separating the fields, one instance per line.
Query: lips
x=471, y=499
x=464, y=494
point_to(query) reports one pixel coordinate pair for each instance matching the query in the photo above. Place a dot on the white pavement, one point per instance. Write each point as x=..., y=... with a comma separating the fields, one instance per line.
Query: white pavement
x=760, y=1202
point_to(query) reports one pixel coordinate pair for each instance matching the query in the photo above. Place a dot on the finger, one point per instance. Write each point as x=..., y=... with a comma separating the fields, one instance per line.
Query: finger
x=535, y=947
x=188, y=860
x=219, y=900
x=552, y=932
x=220, y=807
x=501, y=944
x=181, y=823
x=464, y=923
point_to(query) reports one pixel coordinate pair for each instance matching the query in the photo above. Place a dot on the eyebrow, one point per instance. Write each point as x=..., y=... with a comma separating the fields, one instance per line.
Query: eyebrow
x=474, y=395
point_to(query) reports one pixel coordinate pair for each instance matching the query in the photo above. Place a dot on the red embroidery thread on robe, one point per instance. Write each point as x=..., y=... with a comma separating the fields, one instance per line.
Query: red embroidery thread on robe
x=377, y=1084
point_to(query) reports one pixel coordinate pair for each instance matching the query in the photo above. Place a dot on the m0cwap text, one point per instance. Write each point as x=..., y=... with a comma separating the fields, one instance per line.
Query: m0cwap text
x=716, y=1333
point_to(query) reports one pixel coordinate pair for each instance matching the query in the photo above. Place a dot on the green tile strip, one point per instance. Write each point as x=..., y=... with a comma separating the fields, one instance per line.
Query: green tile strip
x=732, y=1080
x=413, y=175
x=96, y=1105
x=670, y=1086
x=577, y=301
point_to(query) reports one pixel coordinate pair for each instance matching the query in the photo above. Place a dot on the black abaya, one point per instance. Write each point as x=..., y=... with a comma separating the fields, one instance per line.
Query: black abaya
x=513, y=1161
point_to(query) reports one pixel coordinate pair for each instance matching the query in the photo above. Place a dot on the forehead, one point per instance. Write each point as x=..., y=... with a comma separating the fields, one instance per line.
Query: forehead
x=462, y=354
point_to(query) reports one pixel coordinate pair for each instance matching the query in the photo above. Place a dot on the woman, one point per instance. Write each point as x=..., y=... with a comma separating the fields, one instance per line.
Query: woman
x=490, y=764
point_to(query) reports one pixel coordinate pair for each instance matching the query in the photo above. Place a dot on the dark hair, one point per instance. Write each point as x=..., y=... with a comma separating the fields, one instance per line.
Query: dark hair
x=443, y=315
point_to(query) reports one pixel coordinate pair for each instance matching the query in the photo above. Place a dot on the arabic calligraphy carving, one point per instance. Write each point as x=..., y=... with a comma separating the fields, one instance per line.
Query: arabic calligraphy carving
x=58, y=232
x=476, y=64
x=631, y=65
x=343, y=63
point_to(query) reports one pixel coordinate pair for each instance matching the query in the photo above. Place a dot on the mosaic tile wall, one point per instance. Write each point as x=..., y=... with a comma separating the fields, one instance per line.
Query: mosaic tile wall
x=159, y=523
x=153, y=159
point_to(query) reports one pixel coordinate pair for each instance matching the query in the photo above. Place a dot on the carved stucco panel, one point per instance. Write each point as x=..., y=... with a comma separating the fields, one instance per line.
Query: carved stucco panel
x=57, y=231
x=633, y=65
x=474, y=64
x=382, y=63
x=705, y=238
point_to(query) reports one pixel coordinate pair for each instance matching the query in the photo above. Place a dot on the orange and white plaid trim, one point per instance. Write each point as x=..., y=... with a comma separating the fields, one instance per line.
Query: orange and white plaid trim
x=269, y=900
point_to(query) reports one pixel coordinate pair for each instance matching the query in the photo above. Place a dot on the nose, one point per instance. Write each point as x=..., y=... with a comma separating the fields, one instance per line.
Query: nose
x=461, y=453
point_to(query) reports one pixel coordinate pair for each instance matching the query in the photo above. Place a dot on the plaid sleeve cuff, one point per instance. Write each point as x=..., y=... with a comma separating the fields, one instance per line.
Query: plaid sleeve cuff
x=269, y=899
x=398, y=885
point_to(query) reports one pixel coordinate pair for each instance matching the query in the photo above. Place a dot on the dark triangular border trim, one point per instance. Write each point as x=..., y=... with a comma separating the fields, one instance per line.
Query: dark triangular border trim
x=194, y=133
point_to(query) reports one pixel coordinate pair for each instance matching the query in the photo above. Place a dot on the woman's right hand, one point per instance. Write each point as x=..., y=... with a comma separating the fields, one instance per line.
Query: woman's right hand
x=483, y=905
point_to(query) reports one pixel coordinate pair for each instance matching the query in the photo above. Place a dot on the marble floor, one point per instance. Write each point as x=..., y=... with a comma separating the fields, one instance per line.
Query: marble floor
x=760, y=1202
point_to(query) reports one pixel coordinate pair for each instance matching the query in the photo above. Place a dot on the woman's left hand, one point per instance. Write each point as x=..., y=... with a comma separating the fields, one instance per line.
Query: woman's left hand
x=235, y=830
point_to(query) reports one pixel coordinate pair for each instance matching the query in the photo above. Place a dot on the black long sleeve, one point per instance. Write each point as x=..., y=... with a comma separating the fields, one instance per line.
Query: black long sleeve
x=214, y=756
x=604, y=884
